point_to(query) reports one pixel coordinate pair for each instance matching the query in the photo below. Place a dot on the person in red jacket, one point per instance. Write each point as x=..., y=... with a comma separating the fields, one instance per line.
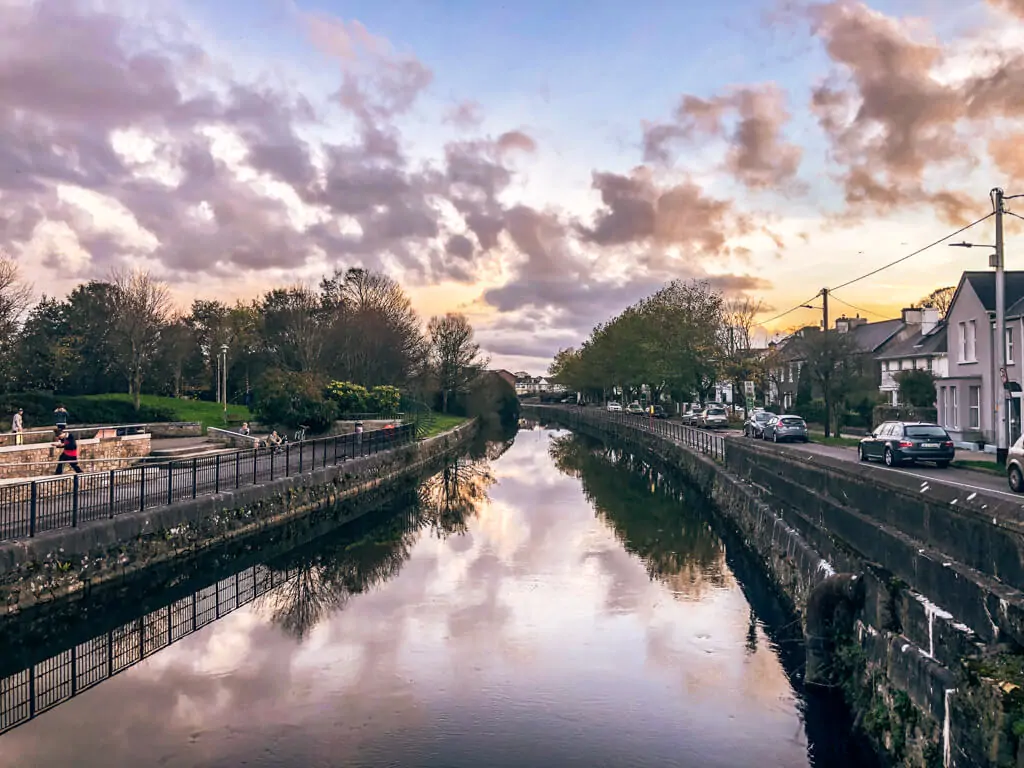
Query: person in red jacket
x=68, y=451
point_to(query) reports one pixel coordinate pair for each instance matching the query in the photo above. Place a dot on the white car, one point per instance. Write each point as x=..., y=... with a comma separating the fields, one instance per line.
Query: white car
x=614, y=407
x=714, y=418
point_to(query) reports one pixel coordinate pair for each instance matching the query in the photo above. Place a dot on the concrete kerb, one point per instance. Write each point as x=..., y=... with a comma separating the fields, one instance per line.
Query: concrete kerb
x=339, y=482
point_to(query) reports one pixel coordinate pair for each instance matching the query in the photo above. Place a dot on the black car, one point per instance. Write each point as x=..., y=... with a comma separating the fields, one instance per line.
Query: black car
x=660, y=412
x=897, y=442
x=754, y=426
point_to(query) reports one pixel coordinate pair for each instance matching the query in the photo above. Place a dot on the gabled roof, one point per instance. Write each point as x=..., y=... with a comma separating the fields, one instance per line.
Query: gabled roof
x=918, y=345
x=870, y=336
x=984, y=286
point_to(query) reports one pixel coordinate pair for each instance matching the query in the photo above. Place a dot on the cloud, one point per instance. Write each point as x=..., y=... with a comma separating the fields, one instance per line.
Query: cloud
x=758, y=156
x=1015, y=7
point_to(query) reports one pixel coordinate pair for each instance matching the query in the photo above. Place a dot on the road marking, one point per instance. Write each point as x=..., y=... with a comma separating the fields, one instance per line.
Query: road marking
x=931, y=478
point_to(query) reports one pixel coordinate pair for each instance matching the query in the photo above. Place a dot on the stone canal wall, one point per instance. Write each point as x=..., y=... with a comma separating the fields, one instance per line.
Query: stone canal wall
x=66, y=561
x=94, y=454
x=930, y=658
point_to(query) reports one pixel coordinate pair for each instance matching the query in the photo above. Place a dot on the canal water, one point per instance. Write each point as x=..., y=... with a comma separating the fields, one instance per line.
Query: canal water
x=552, y=602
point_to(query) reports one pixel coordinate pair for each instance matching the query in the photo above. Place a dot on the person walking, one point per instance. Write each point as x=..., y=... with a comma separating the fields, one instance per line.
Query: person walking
x=69, y=451
x=18, y=426
x=60, y=417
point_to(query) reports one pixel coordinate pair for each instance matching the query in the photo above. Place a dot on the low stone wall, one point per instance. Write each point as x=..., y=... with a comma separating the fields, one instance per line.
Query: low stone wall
x=931, y=685
x=94, y=455
x=64, y=561
x=175, y=429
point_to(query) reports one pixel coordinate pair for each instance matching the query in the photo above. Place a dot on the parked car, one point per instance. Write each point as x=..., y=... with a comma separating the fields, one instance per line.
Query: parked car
x=1015, y=466
x=781, y=429
x=613, y=406
x=635, y=408
x=896, y=442
x=714, y=417
x=660, y=412
x=691, y=416
x=754, y=425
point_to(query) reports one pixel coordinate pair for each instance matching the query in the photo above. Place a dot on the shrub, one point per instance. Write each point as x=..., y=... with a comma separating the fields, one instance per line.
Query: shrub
x=384, y=399
x=294, y=399
x=39, y=407
x=349, y=397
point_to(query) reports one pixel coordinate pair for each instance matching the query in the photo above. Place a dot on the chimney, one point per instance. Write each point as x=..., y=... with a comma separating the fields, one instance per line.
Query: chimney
x=842, y=324
x=912, y=315
x=929, y=319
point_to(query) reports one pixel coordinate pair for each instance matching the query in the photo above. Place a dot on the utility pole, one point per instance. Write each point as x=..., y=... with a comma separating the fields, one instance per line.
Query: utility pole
x=999, y=392
x=828, y=374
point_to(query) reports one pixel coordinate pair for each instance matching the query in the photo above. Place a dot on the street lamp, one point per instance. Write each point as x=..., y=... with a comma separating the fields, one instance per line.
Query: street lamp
x=224, y=374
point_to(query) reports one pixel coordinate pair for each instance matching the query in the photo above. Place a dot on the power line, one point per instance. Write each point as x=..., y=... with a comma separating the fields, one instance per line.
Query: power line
x=1015, y=215
x=853, y=306
x=803, y=304
x=910, y=255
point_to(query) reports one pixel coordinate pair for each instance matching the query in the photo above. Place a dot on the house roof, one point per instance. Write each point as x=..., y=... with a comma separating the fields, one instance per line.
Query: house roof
x=984, y=285
x=918, y=345
x=870, y=336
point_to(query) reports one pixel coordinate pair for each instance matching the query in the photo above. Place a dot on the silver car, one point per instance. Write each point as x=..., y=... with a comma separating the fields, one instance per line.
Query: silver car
x=714, y=418
x=1015, y=466
x=785, y=428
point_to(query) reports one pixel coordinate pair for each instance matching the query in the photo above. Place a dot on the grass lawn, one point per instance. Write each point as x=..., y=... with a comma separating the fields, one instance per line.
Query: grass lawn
x=209, y=413
x=442, y=423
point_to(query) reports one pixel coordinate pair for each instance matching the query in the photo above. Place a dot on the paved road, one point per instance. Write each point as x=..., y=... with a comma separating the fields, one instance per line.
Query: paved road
x=961, y=478
x=58, y=505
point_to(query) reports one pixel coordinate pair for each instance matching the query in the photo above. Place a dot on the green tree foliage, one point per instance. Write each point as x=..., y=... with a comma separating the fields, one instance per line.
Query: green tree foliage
x=917, y=387
x=837, y=368
x=670, y=341
x=294, y=399
x=384, y=399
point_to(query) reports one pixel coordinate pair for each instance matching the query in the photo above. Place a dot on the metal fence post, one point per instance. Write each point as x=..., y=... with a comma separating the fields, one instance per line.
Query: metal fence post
x=238, y=469
x=271, y=465
x=110, y=489
x=335, y=449
x=301, y=446
x=255, y=465
x=74, y=500
x=32, y=504
x=170, y=482
x=287, y=459
x=216, y=474
x=195, y=476
x=142, y=490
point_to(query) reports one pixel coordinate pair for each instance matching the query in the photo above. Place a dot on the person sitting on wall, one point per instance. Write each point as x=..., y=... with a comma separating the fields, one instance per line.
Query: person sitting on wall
x=245, y=429
x=275, y=440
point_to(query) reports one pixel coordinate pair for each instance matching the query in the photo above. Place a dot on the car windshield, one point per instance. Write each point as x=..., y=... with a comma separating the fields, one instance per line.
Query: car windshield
x=927, y=431
x=716, y=412
x=764, y=416
x=792, y=421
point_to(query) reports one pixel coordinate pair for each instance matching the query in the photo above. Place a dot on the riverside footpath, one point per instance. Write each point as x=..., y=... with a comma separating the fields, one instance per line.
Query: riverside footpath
x=103, y=527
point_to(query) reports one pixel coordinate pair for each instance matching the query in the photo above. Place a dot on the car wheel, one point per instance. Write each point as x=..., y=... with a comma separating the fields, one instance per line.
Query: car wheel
x=863, y=454
x=1016, y=479
x=942, y=464
x=890, y=459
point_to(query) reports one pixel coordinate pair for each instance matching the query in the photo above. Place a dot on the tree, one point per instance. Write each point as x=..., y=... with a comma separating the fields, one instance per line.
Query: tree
x=916, y=387
x=295, y=325
x=294, y=399
x=940, y=298
x=15, y=296
x=834, y=364
x=454, y=355
x=140, y=308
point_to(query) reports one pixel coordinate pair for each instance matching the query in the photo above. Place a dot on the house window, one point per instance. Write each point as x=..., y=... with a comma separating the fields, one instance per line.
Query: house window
x=975, y=405
x=928, y=363
x=1009, y=346
x=954, y=407
x=972, y=340
x=963, y=342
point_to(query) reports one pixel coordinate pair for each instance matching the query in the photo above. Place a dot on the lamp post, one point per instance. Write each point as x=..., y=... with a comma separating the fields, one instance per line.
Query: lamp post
x=224, y=375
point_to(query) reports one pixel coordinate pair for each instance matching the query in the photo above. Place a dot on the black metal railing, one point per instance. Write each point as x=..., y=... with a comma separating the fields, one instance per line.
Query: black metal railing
x=702, y=440
x=46, y=684
x=66, y=501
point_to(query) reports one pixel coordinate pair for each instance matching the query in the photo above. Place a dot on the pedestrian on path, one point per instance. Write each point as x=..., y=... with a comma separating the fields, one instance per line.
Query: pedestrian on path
x=69, y=451
x=60, y=417
x=18, y=426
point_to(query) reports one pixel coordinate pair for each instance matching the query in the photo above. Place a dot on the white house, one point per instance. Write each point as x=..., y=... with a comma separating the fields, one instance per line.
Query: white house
x=924, y=348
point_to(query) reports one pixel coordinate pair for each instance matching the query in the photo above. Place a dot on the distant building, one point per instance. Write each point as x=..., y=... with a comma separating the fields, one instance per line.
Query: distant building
x=530, y=386
x=507, y=376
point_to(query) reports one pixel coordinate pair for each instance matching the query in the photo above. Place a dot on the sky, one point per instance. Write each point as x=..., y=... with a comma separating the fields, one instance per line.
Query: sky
x=538, y=166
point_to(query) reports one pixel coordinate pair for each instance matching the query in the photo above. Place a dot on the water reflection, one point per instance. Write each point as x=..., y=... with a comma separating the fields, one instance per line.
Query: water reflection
x=510, y=615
